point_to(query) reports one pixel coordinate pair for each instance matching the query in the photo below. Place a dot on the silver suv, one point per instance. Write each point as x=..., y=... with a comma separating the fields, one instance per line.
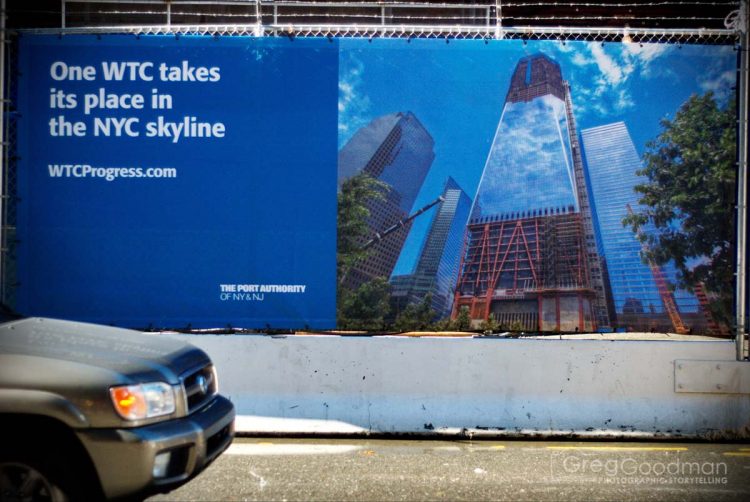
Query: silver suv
x=90, y=412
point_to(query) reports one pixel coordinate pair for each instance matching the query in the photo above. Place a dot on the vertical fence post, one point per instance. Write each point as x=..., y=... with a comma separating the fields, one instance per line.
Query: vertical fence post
x=742, y=189
x=2, y=150
x=499, y=19
x=258, y=31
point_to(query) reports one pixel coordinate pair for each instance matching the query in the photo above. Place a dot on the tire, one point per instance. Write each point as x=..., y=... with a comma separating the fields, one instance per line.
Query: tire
x=46, y=471
x=22, y=481
x=42, y=459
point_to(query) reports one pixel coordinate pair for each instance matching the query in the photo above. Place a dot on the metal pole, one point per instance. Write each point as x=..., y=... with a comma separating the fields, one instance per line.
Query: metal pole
x=62, y=13
x=742, y=191
x=499, y=20
x=2, y=151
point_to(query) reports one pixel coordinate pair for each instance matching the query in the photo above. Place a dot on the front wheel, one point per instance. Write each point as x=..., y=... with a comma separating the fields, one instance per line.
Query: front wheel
x=21, y=481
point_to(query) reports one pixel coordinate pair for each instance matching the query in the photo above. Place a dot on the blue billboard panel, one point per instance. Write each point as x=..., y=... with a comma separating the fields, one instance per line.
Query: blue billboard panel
x=170, y=181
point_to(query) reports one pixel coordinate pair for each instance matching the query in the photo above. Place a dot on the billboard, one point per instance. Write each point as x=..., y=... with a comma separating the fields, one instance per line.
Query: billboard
x=376, y=184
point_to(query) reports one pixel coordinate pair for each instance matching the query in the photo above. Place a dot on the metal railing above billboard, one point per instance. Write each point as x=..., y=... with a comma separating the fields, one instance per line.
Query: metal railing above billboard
x=714, y=22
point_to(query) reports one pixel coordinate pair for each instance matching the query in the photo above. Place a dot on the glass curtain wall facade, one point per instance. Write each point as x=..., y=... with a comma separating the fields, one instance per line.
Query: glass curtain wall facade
x=397, y=150
x=612, y=163
x=530, y=150
x=437, y=267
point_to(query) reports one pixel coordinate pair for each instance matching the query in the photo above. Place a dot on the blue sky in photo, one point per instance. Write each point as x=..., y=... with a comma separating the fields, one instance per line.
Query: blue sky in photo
x=457, y=90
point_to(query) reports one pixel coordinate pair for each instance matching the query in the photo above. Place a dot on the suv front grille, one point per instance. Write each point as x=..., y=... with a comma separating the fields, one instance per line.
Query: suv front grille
x=200, y=387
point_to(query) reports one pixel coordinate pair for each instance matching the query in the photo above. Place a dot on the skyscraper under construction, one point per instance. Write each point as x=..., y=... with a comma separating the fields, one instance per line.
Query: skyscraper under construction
x=530, y=257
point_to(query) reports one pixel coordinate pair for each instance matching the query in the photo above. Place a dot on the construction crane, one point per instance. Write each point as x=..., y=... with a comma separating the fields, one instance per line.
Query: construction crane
x=399, y=224
x=666, y=295
x=713, y=327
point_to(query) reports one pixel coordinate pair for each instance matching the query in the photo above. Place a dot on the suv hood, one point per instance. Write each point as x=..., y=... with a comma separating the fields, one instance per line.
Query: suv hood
x=121, y=350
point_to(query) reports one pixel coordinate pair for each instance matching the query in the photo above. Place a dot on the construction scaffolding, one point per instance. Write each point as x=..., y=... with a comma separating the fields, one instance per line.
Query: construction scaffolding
x=528, y=271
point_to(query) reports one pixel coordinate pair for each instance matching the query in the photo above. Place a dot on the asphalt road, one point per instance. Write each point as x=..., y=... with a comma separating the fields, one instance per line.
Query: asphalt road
x=383, y=470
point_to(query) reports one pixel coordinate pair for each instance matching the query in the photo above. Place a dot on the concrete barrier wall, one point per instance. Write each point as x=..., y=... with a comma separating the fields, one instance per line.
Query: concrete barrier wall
x=471, y=386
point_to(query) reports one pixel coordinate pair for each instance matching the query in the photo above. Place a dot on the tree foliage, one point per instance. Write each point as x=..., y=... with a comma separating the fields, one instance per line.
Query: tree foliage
x=416, y=316
x=352, y=227
x=462, y=322
x=690, y=195
x=490, y=325
x=367, y=307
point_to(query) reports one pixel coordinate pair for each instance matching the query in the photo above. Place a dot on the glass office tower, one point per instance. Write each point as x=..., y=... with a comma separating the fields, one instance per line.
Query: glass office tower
x=437, y=267
x=611, y=164
x=397, y=150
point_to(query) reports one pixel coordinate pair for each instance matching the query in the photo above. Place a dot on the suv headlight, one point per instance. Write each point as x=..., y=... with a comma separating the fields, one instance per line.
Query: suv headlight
x=146, y=400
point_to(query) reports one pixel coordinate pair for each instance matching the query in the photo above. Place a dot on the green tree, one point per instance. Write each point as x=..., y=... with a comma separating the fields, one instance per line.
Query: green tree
x=416, y=316
x=490, y=325
x=462, y=322
x=367, y=307
x=352, y=227
x=444, y=324
x=690, y=195
x=516, y=326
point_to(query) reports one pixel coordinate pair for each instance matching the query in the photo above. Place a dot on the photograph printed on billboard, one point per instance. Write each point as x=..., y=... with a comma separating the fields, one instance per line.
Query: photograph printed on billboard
x=581, y=186
x=377, y=185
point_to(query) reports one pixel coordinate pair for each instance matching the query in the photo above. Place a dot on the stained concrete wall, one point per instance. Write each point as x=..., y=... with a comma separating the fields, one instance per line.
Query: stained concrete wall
x=474, y=386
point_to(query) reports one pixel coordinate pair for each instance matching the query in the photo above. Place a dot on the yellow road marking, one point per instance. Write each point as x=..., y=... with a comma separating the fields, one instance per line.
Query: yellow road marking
x=498, y=447
x=737, y=453
x=619, y=448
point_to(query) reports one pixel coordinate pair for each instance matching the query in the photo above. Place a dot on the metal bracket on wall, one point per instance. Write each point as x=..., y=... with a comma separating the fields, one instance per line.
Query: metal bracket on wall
x=712, y=377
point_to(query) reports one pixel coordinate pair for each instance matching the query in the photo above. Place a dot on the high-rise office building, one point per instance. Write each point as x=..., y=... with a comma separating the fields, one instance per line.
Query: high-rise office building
x=611, y=164
x=531, y=256
x=437, y=267
x=397, y=150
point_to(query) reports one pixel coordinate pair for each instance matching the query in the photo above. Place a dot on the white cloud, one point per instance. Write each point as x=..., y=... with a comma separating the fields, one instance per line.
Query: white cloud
x=606, y=70
x=353, y=104
x=579, y=59
x=565, y=47
x=720, y=83
x=717, y=78
x=613, y=73
x=623, y=100
x=646, y=53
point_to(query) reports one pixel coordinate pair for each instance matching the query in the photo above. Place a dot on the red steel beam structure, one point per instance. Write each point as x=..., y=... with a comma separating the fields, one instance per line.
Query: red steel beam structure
x=529, y=257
